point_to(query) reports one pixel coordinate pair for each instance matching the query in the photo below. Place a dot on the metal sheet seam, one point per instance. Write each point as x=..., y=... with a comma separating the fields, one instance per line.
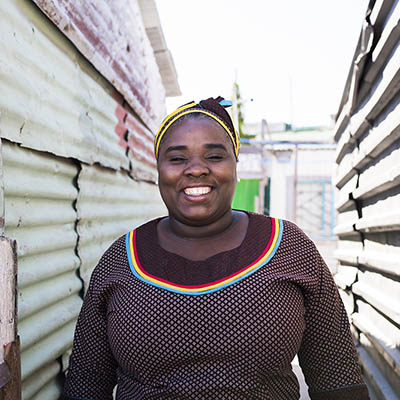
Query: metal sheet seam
x=75, y=183
x=59, y=360
x=1, y=192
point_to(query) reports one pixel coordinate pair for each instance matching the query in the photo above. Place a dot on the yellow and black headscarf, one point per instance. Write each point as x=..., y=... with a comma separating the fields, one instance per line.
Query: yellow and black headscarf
x=214, y=108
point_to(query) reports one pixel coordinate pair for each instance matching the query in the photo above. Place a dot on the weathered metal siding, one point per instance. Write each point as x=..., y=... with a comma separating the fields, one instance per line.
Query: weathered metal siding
x=110, y=203
x=39, y=214
x=368, y=179
x=78, y=172
x=111, y=35
x=51, y=98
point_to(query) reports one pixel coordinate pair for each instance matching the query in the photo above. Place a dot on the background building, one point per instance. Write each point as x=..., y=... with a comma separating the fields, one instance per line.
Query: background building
x=287, y=173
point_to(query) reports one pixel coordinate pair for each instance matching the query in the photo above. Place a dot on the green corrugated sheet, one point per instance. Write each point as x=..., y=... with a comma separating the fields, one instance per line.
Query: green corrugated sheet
x=246, y=191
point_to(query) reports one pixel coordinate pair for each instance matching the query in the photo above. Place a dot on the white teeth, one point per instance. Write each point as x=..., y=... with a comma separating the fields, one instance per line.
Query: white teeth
x=197, y=191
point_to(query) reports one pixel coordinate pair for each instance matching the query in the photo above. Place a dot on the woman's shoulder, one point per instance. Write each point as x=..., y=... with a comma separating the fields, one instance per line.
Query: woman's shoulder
x=289, y=228
x=291, y=231
x=290, y=237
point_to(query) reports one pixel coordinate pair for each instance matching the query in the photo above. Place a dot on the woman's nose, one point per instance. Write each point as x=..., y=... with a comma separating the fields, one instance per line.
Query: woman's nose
x=196, y=167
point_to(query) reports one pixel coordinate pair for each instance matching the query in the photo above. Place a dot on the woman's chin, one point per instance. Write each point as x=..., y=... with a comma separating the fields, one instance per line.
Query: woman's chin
x=200, y=217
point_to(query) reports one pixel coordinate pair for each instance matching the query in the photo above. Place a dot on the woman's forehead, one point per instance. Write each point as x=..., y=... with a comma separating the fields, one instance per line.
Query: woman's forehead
x=196, y=130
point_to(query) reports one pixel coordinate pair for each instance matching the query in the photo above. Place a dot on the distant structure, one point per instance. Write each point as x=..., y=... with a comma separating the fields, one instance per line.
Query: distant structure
x=367, y=176
x=286, y=172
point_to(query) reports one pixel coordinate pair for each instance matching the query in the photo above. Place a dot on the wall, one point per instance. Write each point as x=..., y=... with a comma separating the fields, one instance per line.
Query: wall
x=76, y=129
x=368, y=179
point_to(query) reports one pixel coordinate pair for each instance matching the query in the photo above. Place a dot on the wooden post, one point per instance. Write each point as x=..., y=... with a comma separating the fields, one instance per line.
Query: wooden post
x=10, y=359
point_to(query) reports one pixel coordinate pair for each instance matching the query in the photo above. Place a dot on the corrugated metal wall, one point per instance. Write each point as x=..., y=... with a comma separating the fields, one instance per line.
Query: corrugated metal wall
x=78, y=172
x=368, y=179
x=109, y=204
x=112, y=36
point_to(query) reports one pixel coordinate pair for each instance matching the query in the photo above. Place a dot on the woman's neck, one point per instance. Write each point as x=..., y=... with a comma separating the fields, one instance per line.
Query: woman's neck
x=212, y=230
x=200, y=242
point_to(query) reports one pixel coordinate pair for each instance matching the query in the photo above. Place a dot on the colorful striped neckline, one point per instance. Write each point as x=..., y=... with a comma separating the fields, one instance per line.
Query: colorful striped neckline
x=267, y=254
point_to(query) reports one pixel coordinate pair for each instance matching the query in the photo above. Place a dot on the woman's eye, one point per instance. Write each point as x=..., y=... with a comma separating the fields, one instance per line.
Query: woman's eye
x=177, y=159
x=215, y=157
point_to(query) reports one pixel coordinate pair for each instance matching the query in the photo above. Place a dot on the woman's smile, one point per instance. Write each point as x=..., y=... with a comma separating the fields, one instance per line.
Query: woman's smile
x=197, y=192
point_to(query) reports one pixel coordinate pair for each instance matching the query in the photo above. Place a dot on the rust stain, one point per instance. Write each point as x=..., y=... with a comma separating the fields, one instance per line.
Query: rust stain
x=134, y=136
x=110, y=35
x=12, y=357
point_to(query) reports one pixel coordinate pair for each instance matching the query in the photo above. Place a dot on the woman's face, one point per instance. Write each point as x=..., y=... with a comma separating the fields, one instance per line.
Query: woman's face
x=197, y=171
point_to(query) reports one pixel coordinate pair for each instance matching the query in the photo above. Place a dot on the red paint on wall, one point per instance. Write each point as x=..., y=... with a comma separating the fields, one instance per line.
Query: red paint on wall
x=111, y=35
x=134, y=136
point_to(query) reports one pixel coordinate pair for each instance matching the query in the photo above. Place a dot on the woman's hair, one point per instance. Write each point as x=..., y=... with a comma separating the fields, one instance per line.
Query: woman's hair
x=210, y=108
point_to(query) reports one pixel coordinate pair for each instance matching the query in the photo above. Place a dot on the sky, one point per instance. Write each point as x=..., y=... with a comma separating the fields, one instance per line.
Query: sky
x=290, y=58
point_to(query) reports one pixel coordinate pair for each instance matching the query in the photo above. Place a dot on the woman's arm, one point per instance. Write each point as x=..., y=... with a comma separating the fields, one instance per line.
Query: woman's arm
x=327, y=355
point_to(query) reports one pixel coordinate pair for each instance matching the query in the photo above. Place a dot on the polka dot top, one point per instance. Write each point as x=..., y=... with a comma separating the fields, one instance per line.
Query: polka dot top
x=160, y=326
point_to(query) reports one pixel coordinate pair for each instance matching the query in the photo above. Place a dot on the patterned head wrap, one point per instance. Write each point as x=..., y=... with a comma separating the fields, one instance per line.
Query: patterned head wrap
x=214, y=108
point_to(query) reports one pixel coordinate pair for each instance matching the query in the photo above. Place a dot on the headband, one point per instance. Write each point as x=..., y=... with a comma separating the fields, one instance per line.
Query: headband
x=214, y=108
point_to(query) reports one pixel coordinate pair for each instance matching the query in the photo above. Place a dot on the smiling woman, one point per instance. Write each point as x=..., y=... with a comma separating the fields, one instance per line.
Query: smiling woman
x=210, y=302
x=197, y=178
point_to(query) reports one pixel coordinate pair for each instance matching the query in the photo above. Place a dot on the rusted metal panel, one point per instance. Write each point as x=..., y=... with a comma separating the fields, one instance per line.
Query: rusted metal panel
x=109, y=204
x=112, y=37
x=40, y=216
x=136, y=139
x=52, y=99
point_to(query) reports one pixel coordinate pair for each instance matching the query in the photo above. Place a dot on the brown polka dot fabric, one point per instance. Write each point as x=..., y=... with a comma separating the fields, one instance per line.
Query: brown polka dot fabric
x=235, y=343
